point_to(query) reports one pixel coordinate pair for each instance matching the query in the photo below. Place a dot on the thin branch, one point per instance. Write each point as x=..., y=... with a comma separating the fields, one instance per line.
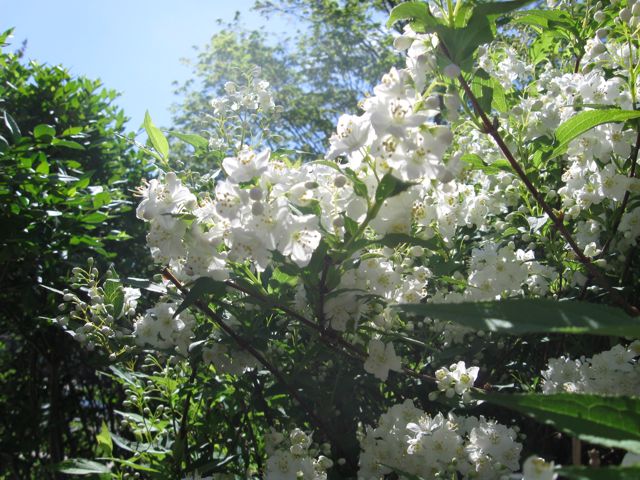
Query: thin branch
x=184, y=421
x=242, y=343
x=329, y=336
x=627, y=195
x=491, y=130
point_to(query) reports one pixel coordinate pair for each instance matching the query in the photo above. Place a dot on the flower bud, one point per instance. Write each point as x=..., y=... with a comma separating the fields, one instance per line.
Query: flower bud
x=257, y=208
x=625, y=15
x=340, y=181
x=452, y=71
x=255, y=193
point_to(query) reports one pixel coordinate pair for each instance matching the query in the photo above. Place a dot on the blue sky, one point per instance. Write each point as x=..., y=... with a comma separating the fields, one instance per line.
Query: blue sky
x=134, y=46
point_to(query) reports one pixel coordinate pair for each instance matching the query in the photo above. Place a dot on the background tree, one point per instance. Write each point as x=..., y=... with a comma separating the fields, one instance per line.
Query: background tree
x=67, y=170
x=339, y=51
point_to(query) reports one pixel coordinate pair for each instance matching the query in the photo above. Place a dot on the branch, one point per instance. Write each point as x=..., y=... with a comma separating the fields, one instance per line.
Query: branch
x=625, y=200
x=242, y=343
x=491, y=130
x=184, y=421
x=330, y=337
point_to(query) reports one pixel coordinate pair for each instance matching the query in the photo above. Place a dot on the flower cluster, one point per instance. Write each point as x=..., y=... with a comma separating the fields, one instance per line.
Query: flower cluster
x=293, y=457
x=413, y=442
x=162, y=329
x=612, y=372
x=99, y=315
x=242, y=114
x=457, y=379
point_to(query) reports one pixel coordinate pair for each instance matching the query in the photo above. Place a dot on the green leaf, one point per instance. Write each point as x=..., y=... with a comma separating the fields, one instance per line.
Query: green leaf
x=605, y=473
x=130, y=464
x=43, y=167
x=392, y=240
x=192, y=139
x=95, y=217
x=417, y=12
x=499, y=101
x=359, y=187
x=11, y=124
x=67, y=144
x=585, y=121
x=114, y=295
x=101, y=199
x=543, y=18
x=461, y=43
x=44, y=132
x=604, y=420
x=350, y=225
x=201, y=287
x=157, y=138
x=81, y=466
x=391, y=186
x=518, y=316
x=105, y=444
x=499, y=8
x=478, y=164
x=141, y=447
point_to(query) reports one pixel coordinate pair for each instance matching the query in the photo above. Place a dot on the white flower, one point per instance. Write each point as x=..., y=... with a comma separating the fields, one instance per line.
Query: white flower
x=162, y=200
x=382, y=358
x=352, y=133
x=536, y=468
x=301, y=237
x=246, y=165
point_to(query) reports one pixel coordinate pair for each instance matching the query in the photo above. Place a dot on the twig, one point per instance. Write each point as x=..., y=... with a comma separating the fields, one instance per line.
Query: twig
x=184, y=421
x=242, y=343
x=625, y=200
x=328, y=336
x=491, y=130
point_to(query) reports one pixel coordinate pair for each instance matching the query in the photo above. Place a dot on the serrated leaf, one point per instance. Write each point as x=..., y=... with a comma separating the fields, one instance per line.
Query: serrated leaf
x=132, y=446
x=604, y=420
x=81, y=466
x=543, y=18
x=43, y=167
x=519, y=316
x=146, y=284
x=604, y=473
x=114, y=295
x=156, y=137
x=462, y=42
x=478, y=164
x=585, y=121
x=202, y=287
x=392, y=240
x=130, y=464
x=499, y=8
x=192, y=139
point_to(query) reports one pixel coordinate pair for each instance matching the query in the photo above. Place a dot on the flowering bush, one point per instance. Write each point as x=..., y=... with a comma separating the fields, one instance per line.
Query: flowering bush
x=370, y=313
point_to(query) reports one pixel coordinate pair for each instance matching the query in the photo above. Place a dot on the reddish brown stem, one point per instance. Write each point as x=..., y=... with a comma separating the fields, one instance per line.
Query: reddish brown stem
x=242, y=343
x=492, y=131
x=330, y=337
